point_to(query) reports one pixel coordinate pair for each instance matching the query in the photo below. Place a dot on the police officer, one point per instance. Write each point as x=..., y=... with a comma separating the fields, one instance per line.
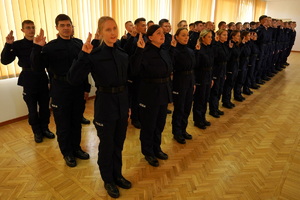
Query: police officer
x=34, y=83
x=183, y=85
x=221, y=56
x=67, y=100
x=108, y=65
x=203, y=77
x=153, y=64
x=194, y=35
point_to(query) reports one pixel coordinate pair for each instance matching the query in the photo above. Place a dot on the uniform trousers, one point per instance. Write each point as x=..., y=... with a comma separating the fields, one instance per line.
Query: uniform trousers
x=68, y=106
x=228, y=86
x=37, y=101
x=215, y=94
x=201, y=98
x=112, y=134
x=182, y=101
x=153, y=120
x=240, y=80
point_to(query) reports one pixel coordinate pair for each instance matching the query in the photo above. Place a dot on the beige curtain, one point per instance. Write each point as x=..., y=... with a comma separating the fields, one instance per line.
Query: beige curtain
x=85, y=14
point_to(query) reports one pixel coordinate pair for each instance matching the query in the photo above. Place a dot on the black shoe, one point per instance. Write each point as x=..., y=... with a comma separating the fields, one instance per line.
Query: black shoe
x=179, y=138
x=266, y=78
x=243, y=98
x=220, y=112
x=136, y=124
x=200, y=125
x=227, y=105
x=247, y=92
x=261, y=82
x=70, y=161
x=187, y=136
x=48, y=134
x=152, y=161
x=85, y=121
x=214, y=114
x=123, y=183
x=38, y=137
x=161, y=155
x=207, y=123
x=232, y=104
x=240, y=99
x=255, y=87
x=81, y=154
x=112, y=190
x=169, y=111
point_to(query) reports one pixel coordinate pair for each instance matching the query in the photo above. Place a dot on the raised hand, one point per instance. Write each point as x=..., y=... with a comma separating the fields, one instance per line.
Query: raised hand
x=124, y=36
x=40, y=39
x=87, y=46
x=141, y=42
x=173, y=41
x=198, y=45
x=10, y=38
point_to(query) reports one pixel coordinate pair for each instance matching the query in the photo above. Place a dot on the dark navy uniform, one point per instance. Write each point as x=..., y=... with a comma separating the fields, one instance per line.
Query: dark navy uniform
x=108, y=66
x=34, y=83
x=67, y=100
x=203, y=78
x=231, y=75
x=183, y=87
x=193, y=37
x=253, y=60
x=242, y=72
x=262, y=42
x=153, y=65
x=221, y=55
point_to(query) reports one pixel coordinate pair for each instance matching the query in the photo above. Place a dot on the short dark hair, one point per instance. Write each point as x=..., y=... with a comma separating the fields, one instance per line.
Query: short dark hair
x=150, y=22
x=192, y=24
x=138, y=20
x=62, y=17
x=127, y=22
x=252, y=23
x=162, y=21
x=27, y=21
x=198, y=22
x=262, y=17
x=221, y=23
x=230, y=24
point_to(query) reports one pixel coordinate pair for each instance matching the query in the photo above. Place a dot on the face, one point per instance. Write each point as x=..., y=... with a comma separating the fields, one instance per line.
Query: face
x=158, y=37
x=247, y=37
x=238, y=27
x=207, y=39
x=253, y=36
x=183, y=25
x=200, y=27
x=129, y=26
x=64, y=29
x=182, y=37
x=150, y=24
x=141, y=27
x=209, y=26
x=223, y=37
x=109, y=32
x=223, y=26
x=28, y=30
x=166, y=27
x=236, y=37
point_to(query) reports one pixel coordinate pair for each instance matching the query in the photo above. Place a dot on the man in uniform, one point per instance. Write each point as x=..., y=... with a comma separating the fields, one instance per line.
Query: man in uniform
x=34, y=83
x=67, y=100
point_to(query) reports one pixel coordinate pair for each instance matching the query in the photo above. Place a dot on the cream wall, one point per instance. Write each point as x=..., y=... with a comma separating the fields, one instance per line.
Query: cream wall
x=287, y=9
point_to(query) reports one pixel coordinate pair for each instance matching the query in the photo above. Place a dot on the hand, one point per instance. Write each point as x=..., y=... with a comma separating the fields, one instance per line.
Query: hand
x=10, y=38
x=244, y=40
x=133, y=33
x=141, y=42
x=86, y=96
x=124, y=36
x=129, y=114
x=198, y=45
x=230, y=44
x=40, y=39
x=212, y=83
x=194, y=89
x=216, y=38
x=173, y=42
x=87, y=47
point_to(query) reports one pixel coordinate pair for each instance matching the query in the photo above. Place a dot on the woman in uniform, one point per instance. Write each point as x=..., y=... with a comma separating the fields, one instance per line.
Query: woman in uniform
x=183, y=85
x=153, y=65
x=203, y=77
x=108, y=65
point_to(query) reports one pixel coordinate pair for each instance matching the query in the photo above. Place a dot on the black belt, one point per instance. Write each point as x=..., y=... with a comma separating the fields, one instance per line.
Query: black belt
x=206, y=69
x=222, y=63
x=111, y=90
x=61, y=78
x=183, y=72
x=27, y=69
x=157, y=80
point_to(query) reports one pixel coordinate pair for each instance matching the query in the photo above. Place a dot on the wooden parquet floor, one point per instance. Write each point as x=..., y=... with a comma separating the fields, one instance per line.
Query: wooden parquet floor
x=250, y=153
